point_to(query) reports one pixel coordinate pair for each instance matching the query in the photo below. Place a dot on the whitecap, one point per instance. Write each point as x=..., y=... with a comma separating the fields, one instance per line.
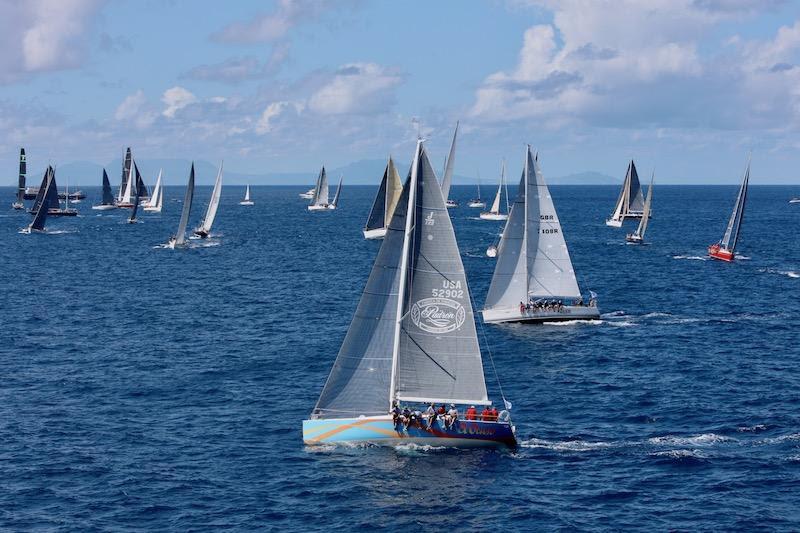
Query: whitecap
x=566, y=446
x=574, y=322
x=705, y=439
x=690, y=257
x=680, y=454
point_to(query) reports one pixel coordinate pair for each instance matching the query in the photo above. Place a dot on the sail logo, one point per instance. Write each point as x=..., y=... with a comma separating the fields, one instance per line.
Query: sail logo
x=438, y=315
x=429, y=221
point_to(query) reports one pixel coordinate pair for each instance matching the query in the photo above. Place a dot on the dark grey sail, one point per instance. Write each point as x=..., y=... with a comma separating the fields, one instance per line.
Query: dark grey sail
x=108, y=196
x=126, y=170
x=22, y=173
x=51, y=196
x=40, y=193
x=635, y=195
x=135, y=209
x=731, y=236
x=378, y=211
x=180, y=237
x=141, y=188
x=438, y=358
x=40, y=216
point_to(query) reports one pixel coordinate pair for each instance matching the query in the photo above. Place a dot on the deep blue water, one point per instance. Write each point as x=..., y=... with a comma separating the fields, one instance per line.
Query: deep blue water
x=148, y=388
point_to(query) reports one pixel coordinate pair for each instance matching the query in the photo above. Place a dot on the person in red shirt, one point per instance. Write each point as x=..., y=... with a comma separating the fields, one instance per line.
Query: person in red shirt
x=486, y=414
x=494, y=414
x=472, y=413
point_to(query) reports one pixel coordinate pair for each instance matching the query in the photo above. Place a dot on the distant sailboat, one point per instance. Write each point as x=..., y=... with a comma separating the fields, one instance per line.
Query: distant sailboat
x=247, y=200
x=494, y=212
x=39, y=218
x=630, y=203
x=19, y=204
x=179, y=239
x=319, y=200
x=48, y=196
x=137, y=199
x=157, y=198
x=335, y=202
x=637, y=237
x=412, y=339
x=108, y=197
x=308, y=195
x=449, y=168
x=125, y=192
x=128, y=193
x=477, y=202
x=534, y=274
x=385, y=202
x=794, y=201
x=724, y=250
x=204, y=229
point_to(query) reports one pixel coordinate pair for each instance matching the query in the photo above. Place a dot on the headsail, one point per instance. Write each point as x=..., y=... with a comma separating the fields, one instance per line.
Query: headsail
x=108, y=196
x=646, y=212
x=449, y=167
x=496, y=204
x=22, y=173
x=180, y=237
x=155, y=198
x=247, y=193
x=41, y=192
x=377, y=215
x=141, y=188
x=635, y=196
x=126, y=173
x=213, y=203
x=321, y=189
x=135, y=209
x=735, y=222
x=128, y=193
x=338, y=191
x=51, y=196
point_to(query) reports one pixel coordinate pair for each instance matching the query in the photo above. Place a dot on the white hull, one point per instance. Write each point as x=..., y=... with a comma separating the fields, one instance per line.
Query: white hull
x=247, y=202
x=794, y=201
x=493, y=216
x=378, y=233
x=513, y=314
x=481, y=205
x=323, y=207
x=103, y=207
x=491, y=251
x=451, y=203
x=153, y=209
x=307, y=196
x=614, y=223
x=18, y=205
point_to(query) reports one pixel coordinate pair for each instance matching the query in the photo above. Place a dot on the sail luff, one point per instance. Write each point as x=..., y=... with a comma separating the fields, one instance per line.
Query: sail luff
x=213, y=203
x=449, y=167
x=180, y=237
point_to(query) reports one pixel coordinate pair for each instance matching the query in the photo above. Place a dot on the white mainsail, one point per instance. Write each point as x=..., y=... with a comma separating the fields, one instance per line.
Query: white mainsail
x=154, y=200
x=336, y=196
x=213, y=204
x=321, y=189
x=496, y=204
x=180, y=237
x=413, y=334
x=735, y=222
x=449, y=167
x=126, y=196
x=247, y=193
x=646, y=212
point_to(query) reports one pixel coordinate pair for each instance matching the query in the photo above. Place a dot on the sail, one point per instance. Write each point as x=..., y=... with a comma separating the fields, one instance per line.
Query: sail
x=550, y=271
x=646, y=212
x=735, y=222
x=51, y=196
x=42, y=189
x=321, y=189
x=22, y=173
x=496, y=204
x=132, y=218
x=635, y=196
x=141, y=188
x=41, y=212
x=213, y=203
x=126, y=195
x=108, y=196
x=438, y=357
x=377, y=215
x=154, y=199
x=394, y=187
x=621, y=209
x=126, y=173
x=449, y=167
x=247, y=193
x=338, y=191
x=180, y=237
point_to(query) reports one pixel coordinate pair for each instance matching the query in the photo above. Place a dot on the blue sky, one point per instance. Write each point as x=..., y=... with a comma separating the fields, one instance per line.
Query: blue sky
x=685, y=86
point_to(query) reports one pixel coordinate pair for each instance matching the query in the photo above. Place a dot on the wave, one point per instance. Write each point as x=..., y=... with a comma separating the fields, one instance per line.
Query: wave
x=655, y=315
x=417, y=449
x=751, y=429
x=704, y=439
x=620, y=323
x=567, y=446
x=612, y=313
x=690, y=257
x=789, y=273
x=574, y=322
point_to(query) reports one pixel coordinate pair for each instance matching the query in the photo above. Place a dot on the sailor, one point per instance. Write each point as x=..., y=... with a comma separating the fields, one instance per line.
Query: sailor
x=472, y=413
x=494, y=414
x=395, y=412
x=521, y=308
x=441, y=411
x=406, y=417
x=431, y=412
x=486, y=414
x=452, y=416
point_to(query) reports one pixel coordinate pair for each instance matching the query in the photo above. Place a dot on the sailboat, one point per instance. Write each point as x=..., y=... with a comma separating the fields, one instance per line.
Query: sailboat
x=319, y=200
x=157, y=199
x=494, y=212
x=179, y=239
x=477, y=202
x=335, y=202
x=630, y=203
x=534, y=274
x=47, y=195
x=637, y=237
x=66, y=212
x=108, y=197
x=204, y=229
x=385, y=202
x=132, y=218
x=308, y=195
x=247, y=200
x=795, y=201
x=39, y=218
x=128, y=193
x=725, y=248
x=19, y=204
x=449, y=167
x=412, y=339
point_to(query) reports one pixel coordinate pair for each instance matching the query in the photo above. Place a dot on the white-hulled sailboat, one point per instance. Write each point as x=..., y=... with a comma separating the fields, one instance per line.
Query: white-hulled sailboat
x=630, y=203
x=637, y=237
x=494, y=212
x=385, y=202
x=335, y=202
x=204, y=229
x=132, y=218
x=156, y=201
x=40, y=216
x=449, y=168
x=412, y=339
x=534, y=280
x=179, y=239
x=247, y=200
x=107, y=201
x=725, y=249
x=19, y=203
x=319, y=200
x=477, y=202
x=308, y=195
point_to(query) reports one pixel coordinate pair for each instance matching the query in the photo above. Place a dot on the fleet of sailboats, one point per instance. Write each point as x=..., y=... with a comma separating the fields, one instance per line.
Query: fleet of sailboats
x=725, y=248
x=384, y=204
x=412, y=339
x=247, y=200
x=630, y=203
x=534, y=280
x=204, y=229
x=637, y=237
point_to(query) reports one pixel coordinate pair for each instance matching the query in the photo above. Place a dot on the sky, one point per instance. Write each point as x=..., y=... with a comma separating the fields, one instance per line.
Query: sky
x=685, y=87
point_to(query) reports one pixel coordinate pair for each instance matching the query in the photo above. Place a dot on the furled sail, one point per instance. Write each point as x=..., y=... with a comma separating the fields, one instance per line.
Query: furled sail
x=22, y=173
x=180, y=237
x=735, y=222
x=213, y=203
x=321, y=189
x=108, y=196
x=449, y=167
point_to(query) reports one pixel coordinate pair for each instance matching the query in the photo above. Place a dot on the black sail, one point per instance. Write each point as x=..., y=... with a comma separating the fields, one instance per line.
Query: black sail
x=141, y=188
x=51, y=196
x=378, y=212
x=40, y=193
x=135, y=208
x=41, y=212
x=108, y=196
x=22, y=172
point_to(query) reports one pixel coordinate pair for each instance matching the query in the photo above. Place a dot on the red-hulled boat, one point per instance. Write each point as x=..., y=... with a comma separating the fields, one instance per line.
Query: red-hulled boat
x=724, y=249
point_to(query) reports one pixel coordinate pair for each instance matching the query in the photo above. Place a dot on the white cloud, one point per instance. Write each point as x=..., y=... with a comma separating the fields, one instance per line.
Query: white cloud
x=136, y=110
x=356, y=88
x=272, y=111
x=273, y=26
x=175, y=99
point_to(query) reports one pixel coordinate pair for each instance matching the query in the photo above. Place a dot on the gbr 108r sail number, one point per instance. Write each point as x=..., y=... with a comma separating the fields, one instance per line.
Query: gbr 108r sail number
x=450, y=289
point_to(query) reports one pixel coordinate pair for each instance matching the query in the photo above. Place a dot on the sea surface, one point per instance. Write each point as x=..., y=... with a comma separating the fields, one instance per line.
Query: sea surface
x=144, y=388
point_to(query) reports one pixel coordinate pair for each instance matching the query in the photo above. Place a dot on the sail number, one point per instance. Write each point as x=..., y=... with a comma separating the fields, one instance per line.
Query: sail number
x=450, y=289
x=547, y=217
x=548, y=230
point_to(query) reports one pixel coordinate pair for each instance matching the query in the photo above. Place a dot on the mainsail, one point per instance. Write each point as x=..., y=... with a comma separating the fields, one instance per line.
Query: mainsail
x=141, y=188
x=213, y=203
x=338, y=191
x=496, y=204
x=41, y=212
x=385, y=201
x=128, y=193
x=431, y=353
x=735, y=222
x=41, y=192
x=449, y=167
x=155, y=198
x=180, y=237
x=247, y=193
x=108, y=196
x=51, y=195
x=321, y=189
x=22, y=172
x=126, y=173
x=646, y=212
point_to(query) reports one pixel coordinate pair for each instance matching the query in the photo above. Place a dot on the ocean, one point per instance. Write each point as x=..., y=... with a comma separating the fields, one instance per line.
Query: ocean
x=145, y=388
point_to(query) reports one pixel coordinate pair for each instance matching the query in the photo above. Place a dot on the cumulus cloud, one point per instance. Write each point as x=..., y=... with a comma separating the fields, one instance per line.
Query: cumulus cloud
x=175, y=99
x=360, y=88
x=42, y=35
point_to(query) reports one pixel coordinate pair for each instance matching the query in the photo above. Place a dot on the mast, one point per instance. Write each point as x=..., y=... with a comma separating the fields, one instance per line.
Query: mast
x=404, y=271
x=525, y=227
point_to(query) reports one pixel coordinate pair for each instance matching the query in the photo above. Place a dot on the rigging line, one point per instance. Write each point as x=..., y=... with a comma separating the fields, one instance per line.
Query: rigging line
x=429, y=356
x=486, y=343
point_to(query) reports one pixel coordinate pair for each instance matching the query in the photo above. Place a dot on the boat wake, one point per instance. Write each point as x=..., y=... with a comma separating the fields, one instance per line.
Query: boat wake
x=704, y=439
x=567, y=446
x=690, y=257
x=789, y=273
x=574, y=323
x=418, y=449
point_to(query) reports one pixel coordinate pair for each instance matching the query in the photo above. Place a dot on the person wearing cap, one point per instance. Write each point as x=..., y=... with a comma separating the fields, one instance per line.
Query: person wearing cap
x=472, y=413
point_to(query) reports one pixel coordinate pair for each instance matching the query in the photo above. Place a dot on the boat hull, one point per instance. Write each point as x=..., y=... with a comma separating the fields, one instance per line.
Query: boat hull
x=378, y=233
x=323, y=207
x=125, y=205
x=513, y=314
x=794, y=201
x=153, y=209
x=634, y=239
x=491, y=251
x=18, y=205
x=614, y=223
x=715, y=251
x=103, y=207
x=451, y=203
x=380, y=430
x=246, y=202
x=493, y=216
x=481, y=205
